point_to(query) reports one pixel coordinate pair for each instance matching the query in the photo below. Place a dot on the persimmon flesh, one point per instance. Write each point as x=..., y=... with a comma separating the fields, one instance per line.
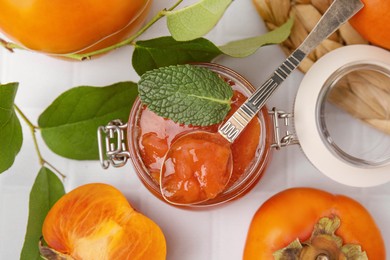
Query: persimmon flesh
x=95, y=221
x=59, y=27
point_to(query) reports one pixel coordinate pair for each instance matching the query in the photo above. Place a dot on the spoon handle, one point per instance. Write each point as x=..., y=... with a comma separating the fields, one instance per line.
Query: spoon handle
x=338, y=13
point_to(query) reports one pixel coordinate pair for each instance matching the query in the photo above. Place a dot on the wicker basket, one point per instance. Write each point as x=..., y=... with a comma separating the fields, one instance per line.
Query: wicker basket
x=366, y=91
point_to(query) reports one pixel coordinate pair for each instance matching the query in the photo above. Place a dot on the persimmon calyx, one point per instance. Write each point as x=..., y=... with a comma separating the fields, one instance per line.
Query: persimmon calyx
x=48, y=253
x=323, y=244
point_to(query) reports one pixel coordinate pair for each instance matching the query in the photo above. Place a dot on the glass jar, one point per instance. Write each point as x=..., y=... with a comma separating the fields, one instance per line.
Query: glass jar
x=348, y=149
x=251, y=175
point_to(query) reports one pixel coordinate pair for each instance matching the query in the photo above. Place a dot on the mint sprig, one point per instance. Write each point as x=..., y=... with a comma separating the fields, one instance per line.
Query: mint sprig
x=186, y=94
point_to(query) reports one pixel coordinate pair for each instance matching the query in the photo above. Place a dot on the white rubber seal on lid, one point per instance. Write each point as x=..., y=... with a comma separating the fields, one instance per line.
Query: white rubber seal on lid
x=305, y=116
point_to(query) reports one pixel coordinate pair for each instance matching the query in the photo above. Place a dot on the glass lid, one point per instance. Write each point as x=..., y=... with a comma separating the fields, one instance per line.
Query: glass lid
x=354, y=114
x=342, y=115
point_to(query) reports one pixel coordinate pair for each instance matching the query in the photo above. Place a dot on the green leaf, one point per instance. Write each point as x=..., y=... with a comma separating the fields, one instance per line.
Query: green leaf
x=165, y=51
x=186, y=94
x=70, y=123
x=10, y=130
x=196, y=20
x=246, y=47
x=47, y=189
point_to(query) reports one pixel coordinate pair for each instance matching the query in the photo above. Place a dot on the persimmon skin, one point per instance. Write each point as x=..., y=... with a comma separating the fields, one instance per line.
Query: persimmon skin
x=373, y=22
x=293, y=213
x=59, y=27
x=95, y=221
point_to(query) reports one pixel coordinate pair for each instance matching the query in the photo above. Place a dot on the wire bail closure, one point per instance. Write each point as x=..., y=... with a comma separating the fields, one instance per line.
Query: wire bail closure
x=112, y=144
x=288, y=137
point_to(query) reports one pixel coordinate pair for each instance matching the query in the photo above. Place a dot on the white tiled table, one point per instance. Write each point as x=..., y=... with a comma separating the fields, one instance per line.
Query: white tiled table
x=217, y=233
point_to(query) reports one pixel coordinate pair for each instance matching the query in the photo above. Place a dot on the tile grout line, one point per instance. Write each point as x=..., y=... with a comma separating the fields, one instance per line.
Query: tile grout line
x=2, y=65
x=215, y=227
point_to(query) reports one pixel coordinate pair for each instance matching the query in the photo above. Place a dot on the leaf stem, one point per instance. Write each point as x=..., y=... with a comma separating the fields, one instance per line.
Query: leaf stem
x=10, y=45
x=175, y=5
x=29, y=123
x=33, y=129
x=85, y=56
x=63, y=176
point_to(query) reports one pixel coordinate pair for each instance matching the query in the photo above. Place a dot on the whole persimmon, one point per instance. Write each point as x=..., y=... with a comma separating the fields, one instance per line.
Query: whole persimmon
x=307, y=223
x=61, y=27
x=95, y=221
x=373, y=22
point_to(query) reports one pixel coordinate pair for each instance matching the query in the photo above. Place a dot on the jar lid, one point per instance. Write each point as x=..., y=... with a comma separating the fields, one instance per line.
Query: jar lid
x=342, y=115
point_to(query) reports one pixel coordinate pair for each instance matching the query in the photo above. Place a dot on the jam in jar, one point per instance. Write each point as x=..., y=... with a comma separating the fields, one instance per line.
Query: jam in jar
x=150, y=137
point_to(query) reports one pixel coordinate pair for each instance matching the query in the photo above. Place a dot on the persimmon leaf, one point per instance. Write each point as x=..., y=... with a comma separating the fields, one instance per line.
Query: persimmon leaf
x=186, y=94
x=165, y=51
x=196, y=20
x=47, y=189
x=70, y=123
x=10, y=129
x=245, y=47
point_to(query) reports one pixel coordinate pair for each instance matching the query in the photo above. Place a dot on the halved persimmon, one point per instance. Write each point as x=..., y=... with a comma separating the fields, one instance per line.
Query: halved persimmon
x=95, y=221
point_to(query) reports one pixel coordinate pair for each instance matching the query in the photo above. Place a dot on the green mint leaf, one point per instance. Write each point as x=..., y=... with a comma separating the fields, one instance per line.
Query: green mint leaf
x=47, y=189
x=186, y=94
x=70, y=123
x=196, y=20
x=10, y=130
x=246, y=47
x=165, y=51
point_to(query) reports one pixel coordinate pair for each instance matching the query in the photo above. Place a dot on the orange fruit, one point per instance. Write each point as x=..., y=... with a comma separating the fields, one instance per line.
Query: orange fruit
x=73, y=26
x=373, y=22
x=95, y=221
x=293, y=213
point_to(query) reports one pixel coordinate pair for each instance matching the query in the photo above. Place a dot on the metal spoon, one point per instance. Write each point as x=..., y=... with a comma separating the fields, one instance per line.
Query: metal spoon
x=338, y=13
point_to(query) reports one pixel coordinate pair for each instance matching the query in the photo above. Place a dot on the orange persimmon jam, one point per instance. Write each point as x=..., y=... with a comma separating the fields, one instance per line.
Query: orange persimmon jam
x=151, y=136
x=197, y=167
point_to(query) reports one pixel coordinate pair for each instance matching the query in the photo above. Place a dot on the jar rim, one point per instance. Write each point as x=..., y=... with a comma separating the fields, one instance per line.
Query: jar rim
x=321, y=110
x=307, y=112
